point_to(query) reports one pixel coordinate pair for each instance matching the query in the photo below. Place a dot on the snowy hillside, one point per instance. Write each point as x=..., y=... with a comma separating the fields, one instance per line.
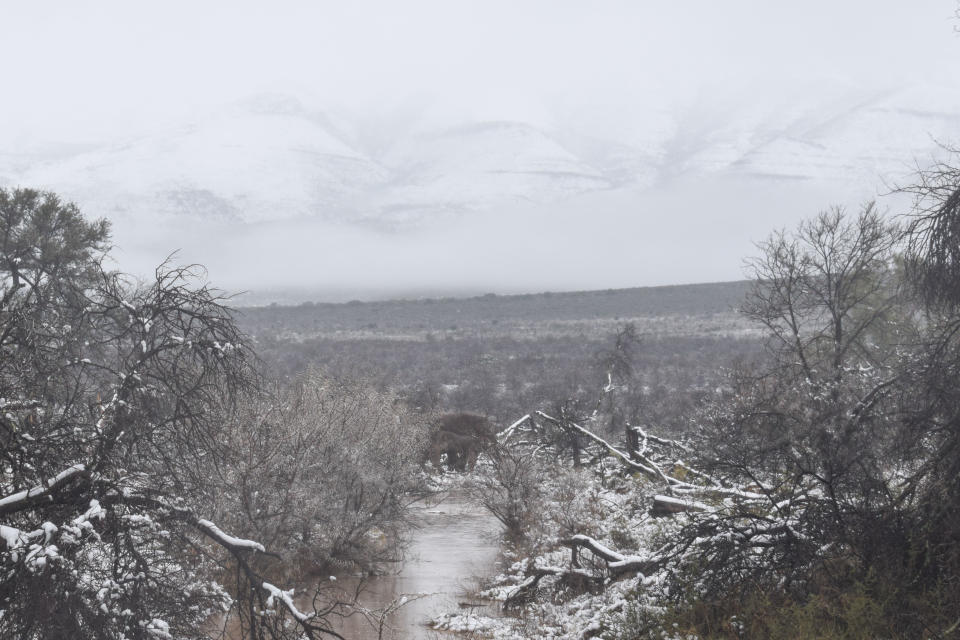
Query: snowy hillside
x=271, y=159
x=267, y=188
x=251, y=162
x=880, y=136
x=479, y=166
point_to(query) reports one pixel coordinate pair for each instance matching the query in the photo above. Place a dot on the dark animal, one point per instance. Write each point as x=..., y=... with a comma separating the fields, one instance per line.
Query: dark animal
x=461, y=436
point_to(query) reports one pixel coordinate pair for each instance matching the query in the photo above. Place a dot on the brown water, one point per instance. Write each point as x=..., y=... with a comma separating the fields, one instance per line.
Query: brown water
x=456, y=543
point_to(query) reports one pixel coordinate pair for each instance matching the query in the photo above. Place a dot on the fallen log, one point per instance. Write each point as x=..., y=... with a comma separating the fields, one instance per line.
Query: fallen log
x=668, y=505
x=617, y=563
x=526, y=591
x=648, y=467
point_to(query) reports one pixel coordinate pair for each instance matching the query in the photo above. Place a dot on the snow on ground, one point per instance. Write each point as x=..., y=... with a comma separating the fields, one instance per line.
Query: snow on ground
x=610, y=509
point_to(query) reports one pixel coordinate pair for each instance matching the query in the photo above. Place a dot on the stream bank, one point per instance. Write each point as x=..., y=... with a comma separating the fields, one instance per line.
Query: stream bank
x=455, y=544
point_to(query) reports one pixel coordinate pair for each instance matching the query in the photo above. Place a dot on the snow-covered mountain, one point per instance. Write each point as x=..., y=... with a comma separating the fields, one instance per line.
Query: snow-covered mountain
x=251, y=162
x=253, y=187
x=479, y=166
x=879, y=137
x=272, y=159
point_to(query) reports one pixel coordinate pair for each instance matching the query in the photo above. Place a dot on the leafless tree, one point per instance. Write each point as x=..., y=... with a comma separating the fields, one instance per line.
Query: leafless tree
x=324, y=469
x=815, y=433
x=825, y=291
x=112, y=395
x=934, y=231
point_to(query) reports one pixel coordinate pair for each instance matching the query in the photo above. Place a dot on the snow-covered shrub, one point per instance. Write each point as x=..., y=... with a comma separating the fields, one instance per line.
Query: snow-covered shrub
x=323, y=470
x=114, y=444
x=509, y=481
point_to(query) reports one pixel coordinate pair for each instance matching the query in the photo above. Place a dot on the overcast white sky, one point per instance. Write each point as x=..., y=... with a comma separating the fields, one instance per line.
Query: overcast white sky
x=79, y=70
x=89, y=72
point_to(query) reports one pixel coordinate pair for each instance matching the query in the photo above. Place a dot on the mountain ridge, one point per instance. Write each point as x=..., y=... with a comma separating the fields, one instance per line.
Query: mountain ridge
x=271, y=158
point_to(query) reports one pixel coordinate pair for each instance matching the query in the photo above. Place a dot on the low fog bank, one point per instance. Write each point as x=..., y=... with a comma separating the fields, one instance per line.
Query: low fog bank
x=682, y=233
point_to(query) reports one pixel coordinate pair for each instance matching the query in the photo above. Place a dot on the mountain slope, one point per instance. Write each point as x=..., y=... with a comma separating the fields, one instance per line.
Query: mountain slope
x=271, y=159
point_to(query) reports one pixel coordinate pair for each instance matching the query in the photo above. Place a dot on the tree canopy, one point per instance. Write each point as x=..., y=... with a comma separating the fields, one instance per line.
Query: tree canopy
x=115, y=398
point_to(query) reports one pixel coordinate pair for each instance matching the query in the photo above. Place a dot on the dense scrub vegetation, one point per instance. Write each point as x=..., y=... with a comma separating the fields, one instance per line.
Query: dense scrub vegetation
x=503, y=376
x=504, y=315
x=152, y=483
x=158, y=479
x=815, y=495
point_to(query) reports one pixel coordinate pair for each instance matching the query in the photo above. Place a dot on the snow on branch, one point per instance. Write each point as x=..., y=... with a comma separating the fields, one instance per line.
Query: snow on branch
x=596, y=547
x=617, y=563
x=22, y=499
x=227, y=540
x=664, y=441
x=525, y=590
x=506, y=433
x=650, y=471
x=15, y=538
x=309, y=622
x=286, y=597
x=650, y=468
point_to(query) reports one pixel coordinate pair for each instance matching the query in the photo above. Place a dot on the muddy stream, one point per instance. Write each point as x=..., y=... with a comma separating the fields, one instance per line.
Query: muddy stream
x=456, y=543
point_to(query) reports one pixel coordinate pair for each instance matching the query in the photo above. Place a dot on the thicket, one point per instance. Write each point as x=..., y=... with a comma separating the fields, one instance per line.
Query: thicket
x=149, y=468
x=817, y=493
x=152, y=483
x=852, y=436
